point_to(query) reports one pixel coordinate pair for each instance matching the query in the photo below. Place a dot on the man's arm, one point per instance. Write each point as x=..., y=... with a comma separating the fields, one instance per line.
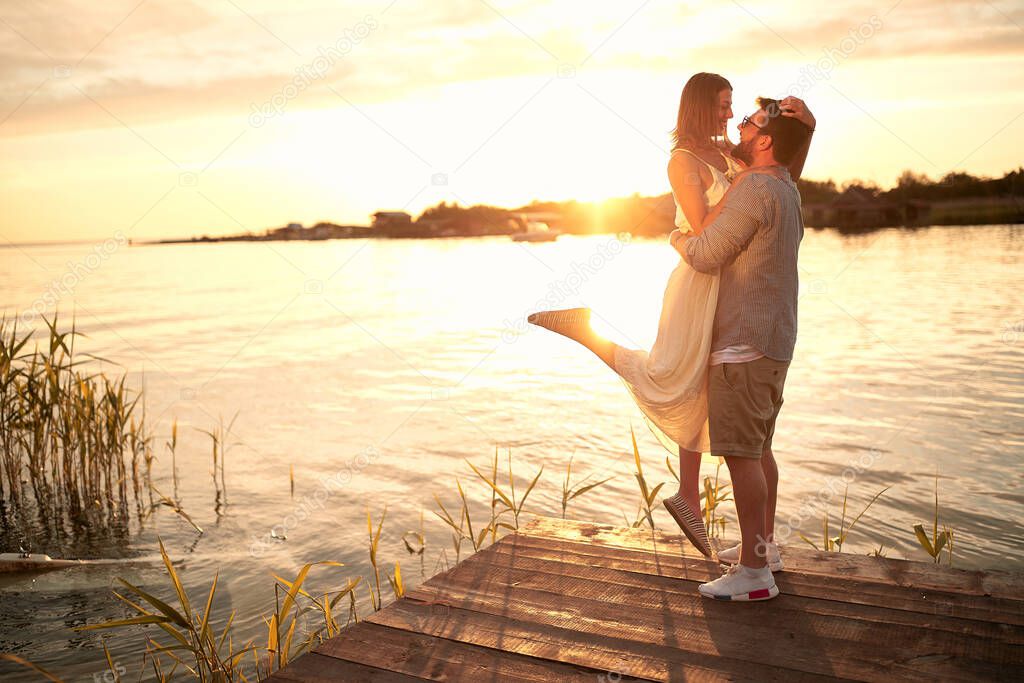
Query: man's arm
x=796, y=108
x=742, y=212
x=796, y=167
x=676, y=238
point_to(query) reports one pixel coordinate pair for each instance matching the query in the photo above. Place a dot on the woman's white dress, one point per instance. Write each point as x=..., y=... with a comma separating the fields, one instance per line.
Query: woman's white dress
x=670, y=382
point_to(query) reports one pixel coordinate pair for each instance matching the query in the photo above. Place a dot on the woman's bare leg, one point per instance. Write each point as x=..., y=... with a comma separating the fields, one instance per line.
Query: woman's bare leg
x=689, y=478
x=602, y=348
x=574, y=323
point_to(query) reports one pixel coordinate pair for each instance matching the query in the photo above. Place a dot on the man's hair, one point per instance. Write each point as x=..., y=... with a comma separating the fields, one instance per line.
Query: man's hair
x=788, y=134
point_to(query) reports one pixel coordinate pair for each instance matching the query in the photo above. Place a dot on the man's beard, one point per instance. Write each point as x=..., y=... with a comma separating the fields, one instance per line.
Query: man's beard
x=743, y=152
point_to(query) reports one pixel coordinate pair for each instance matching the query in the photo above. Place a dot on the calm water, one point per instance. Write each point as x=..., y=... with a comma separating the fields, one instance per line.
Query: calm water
x=381, y=366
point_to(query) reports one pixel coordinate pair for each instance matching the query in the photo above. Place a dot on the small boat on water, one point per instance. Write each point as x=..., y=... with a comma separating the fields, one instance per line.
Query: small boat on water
x=534, y=231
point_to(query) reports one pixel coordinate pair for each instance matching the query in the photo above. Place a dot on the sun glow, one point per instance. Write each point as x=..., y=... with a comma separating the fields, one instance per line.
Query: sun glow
x=457, y=104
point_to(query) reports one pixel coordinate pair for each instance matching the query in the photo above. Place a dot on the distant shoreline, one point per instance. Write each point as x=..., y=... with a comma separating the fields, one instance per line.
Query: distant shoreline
x=915, y=202
x=956, y=199
x=265, y=238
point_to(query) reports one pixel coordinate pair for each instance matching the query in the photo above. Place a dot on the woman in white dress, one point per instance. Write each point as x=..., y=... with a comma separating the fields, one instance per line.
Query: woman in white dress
x=669, y=383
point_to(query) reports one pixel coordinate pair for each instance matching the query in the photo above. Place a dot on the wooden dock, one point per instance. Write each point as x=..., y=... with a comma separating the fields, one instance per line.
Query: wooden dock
x=574, y=601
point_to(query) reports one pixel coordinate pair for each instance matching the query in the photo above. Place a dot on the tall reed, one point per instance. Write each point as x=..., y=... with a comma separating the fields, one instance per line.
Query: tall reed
x=218, y=438
x=939, y=539
x=648, y=495
x=71, y=441
x=195, y=645
x=831, y=543
x=715, y=493
x=573, y=491
x=195, y=649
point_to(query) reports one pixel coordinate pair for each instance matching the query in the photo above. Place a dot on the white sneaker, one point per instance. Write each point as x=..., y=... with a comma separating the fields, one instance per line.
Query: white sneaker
x=742, y=584
x=732, y=556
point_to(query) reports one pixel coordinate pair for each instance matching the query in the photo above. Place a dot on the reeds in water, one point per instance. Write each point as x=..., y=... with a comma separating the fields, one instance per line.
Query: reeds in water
x=73, y=444
x=645, y=510
x=939, y=539
x=218, y=438
x=715, y=493
x=504, y=501
x=831, y=543
x=197, y=649
x=570, y=492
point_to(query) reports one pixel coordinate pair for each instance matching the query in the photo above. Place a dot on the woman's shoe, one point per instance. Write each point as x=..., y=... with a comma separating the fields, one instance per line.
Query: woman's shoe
x=691, y=524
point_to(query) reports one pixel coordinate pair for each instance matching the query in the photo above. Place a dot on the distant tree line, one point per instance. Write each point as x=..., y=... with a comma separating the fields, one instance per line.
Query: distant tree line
x=465, y=220
x=910, y=185
x=655, y=215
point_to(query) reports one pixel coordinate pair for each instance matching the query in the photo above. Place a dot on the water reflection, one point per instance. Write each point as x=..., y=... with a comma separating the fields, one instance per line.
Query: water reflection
x=907, y=363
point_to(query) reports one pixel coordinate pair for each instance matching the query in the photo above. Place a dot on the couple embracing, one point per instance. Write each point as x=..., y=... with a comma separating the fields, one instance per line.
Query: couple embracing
x=713, y=381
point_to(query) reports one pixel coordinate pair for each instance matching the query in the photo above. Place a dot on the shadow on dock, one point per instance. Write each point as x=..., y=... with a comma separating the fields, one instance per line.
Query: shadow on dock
x=562, y=600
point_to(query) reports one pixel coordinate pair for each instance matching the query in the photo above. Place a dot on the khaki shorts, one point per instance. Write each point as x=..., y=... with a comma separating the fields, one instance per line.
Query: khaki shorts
x=744, y=399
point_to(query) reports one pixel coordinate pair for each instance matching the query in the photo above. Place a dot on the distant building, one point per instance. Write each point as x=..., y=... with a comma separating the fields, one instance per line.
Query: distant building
x=292, y=231
x=382, y=218
x=857, y=207
x=320, y=231
x=393, y=223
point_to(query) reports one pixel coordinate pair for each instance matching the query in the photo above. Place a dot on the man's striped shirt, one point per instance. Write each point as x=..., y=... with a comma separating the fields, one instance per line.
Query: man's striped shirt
x=754, y=241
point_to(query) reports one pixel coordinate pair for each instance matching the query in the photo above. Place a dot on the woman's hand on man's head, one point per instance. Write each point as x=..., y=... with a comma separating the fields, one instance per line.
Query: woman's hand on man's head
x=796, y=108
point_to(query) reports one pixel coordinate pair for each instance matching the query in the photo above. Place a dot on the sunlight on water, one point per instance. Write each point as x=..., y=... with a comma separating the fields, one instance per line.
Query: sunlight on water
x=908, y=362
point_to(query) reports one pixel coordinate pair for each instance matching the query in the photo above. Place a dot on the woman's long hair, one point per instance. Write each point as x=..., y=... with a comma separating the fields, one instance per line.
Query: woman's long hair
x=698, y=117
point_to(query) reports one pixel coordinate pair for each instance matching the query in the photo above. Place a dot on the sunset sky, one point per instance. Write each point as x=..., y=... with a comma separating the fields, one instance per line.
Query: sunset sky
x=166, y=118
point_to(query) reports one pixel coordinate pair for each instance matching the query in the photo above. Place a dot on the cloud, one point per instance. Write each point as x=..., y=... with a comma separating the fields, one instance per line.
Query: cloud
x=67, y=30
x=169, y=60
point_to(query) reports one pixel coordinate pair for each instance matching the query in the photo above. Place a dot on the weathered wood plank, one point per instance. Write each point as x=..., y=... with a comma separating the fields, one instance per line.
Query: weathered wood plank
x=316, y=668
x=573, y=601
x=616, y=656
x=845, y=590
x=922, y=575
x=831, y=645
x=441, y=659
x=809, y=593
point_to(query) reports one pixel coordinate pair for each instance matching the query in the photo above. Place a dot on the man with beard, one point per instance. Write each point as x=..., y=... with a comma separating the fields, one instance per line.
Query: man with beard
x=753, y=237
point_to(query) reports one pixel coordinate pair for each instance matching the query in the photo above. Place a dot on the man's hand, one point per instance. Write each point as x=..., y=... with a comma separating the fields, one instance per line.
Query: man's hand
x=796, y=108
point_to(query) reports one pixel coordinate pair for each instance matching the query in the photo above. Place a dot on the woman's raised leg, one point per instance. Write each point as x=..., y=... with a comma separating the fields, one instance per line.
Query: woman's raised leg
x=574, y=323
